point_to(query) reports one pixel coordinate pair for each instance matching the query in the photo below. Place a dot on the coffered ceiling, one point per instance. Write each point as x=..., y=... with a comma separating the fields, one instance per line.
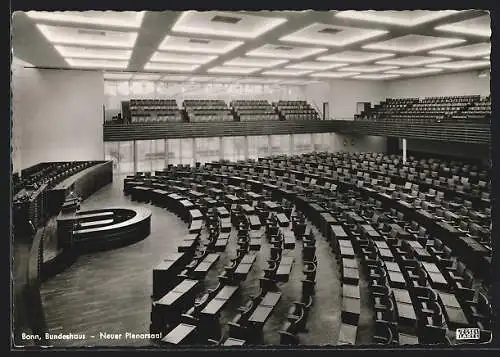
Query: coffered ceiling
x=264, y=46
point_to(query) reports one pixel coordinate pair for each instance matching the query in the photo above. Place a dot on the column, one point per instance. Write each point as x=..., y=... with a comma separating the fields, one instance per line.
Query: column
x=246, y=148
x=166, y=153
x=404, y=151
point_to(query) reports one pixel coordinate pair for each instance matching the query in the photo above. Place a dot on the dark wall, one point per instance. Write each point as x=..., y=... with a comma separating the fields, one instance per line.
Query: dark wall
x=464, y=151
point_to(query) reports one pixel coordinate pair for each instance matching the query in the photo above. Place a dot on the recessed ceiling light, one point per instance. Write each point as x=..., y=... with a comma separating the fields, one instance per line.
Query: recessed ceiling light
x=235, y=25
x=96, y=63
x=98, y=53
x=85, y=37
x=170, y=67
x=331, y=35
x=334, y=74
x=415, y=71
x=413, y=43
x=181, y=58
x=126, y=19
x=316, y=66
x=285, y=72
x=254, y=62
x=233, y=70
x=355, y=56
x=413, y=61
x=468, y=51
x=466, y=64
x=479, y=26
x=195, y=45
x=401, y=18
x=367, y=68
x=376, y=76
x=288, y=52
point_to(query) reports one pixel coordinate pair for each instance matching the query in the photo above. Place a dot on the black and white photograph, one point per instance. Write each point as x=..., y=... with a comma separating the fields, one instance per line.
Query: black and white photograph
x=247, y=179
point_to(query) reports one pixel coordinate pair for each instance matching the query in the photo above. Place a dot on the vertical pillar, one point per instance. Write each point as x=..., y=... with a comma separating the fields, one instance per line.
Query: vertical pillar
x=269, y=146
x=245, y=148
x=193, y=143
x=166, y=153
x=404, y=151
x=221, y=148
x=134, y=151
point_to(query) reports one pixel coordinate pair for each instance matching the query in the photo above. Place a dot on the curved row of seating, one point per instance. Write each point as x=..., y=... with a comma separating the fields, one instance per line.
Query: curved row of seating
x=471, y=107
x=396, y=236
x=146, y=188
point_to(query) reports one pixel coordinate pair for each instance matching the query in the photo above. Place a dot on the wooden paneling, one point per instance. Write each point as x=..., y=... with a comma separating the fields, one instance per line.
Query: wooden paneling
x=477, y=133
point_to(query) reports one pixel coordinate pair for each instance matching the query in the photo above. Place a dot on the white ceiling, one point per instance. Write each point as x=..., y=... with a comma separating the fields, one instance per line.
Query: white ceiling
x=253, y=47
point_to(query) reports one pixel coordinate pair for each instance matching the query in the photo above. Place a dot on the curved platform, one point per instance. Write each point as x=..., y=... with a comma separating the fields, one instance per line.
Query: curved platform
x=107, y=228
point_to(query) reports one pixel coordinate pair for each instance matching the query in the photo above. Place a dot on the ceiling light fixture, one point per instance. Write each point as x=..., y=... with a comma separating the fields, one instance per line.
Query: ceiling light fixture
x=125, y=19
x=200, y=22
x=406, y=18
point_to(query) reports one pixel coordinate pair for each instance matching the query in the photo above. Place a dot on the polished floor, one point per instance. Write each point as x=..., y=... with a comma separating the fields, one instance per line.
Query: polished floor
x=110, y=291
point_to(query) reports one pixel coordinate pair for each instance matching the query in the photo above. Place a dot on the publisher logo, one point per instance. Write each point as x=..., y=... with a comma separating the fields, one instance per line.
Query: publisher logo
x=470, y=333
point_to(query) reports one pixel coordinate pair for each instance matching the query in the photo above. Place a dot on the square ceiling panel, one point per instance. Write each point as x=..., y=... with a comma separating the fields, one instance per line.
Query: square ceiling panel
x=96, y=63
x=170, y=57
x=369, y=68
x=415, y=71
x=126, y=19
x=355, y=56
x=413, y=43
x=119, y=76
x=466, y=64
x=233, y=70
x=480, y=26
x=469, y=51
x=316, y=66
x=255, y=62
x=230, y=24
x=286, y=72
x=413, y=61
x=283, y=51
x=86, y=37
x=331, y=35
x=170, y=67
x=377, y=76
x=334, y=74
x=401, y=18
x=98, y=53
x=197, y=45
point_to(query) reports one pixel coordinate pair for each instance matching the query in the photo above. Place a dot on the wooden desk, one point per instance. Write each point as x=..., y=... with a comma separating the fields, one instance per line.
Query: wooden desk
x=179, y=334
x=254, y=222
x=233, y=342
x=351, y=291
x=349, y=263
x=165, y=272
x=282, y=220
x=396, y=279
x=260, y=315
x=270, y=299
